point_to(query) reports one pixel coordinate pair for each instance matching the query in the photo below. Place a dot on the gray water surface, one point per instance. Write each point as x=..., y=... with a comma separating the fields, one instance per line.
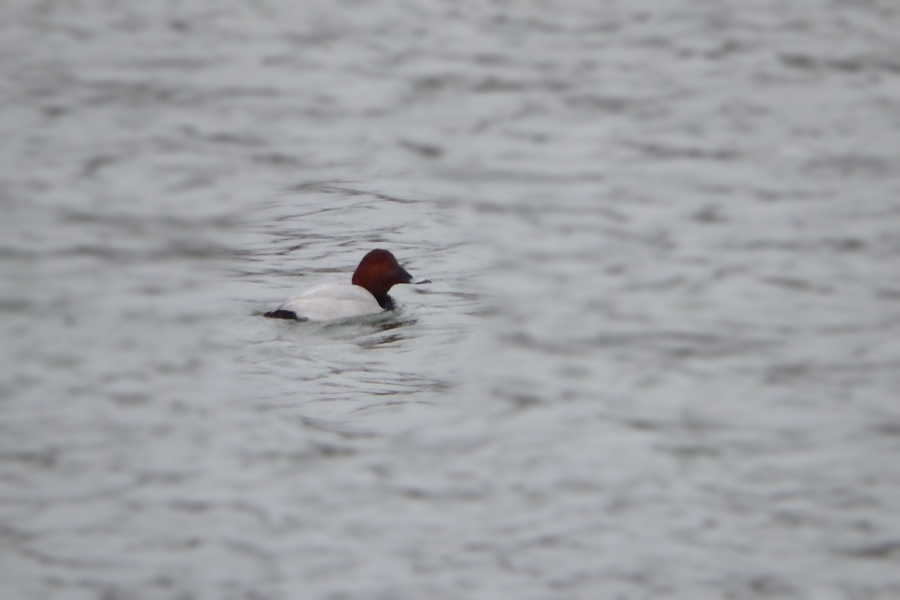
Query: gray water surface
x=660, y=356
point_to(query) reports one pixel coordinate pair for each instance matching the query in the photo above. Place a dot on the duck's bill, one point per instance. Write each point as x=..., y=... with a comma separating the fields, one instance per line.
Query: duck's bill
x=421, y=281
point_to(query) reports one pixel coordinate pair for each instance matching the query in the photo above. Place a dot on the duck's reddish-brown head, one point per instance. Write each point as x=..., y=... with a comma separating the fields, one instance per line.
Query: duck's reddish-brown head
x=378, y=272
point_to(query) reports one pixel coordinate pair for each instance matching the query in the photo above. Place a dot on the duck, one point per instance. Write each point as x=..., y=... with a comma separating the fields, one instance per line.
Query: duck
x=366, y=294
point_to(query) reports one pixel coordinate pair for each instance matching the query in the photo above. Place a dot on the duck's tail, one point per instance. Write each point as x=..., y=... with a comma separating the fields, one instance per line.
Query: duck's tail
x=283, y=314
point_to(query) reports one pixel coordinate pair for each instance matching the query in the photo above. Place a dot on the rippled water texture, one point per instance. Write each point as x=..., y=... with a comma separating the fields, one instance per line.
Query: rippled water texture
x=660, y=357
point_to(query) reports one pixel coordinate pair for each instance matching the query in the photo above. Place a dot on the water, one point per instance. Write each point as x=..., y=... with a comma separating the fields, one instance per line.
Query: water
x=659, y=358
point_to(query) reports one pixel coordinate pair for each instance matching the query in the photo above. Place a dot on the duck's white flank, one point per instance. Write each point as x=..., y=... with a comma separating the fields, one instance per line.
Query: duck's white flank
x=332, y=301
